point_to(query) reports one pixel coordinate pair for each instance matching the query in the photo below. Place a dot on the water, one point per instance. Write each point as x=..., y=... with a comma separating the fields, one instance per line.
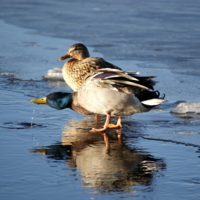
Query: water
x=51, y=154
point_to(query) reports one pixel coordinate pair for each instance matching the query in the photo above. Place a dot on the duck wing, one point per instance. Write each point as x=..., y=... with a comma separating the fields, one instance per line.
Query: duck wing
x=125, y=81
x=121, y=78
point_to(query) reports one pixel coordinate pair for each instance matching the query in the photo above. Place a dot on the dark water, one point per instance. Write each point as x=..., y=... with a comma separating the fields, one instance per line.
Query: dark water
x=46, y=154
x=50, y=154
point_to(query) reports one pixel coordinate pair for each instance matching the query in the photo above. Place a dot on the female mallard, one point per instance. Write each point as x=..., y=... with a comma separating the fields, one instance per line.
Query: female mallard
x=108, y=92
x=80, y=65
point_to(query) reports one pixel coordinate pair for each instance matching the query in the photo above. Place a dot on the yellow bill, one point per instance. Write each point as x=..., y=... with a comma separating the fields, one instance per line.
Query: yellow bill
x=39, y=101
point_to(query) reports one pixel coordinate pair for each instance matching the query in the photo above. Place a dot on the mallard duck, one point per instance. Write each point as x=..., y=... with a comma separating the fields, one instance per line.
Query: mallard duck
x=108, y=92
x=81, y=64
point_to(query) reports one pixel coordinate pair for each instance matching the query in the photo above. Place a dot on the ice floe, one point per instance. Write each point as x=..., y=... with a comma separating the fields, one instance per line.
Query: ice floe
x=54, y=74
x=187, y=107
x=7, y=74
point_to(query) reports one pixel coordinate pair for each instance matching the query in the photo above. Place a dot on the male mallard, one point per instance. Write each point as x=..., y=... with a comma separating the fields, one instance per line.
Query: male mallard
x=80, y=65
x=108, y=92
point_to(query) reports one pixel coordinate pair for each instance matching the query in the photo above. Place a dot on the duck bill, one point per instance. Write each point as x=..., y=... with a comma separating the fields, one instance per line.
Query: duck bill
x=39, y=101
x=66, y=56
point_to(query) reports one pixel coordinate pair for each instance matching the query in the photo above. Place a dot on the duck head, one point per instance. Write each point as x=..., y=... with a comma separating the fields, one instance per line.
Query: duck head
x=57, y=100
x=77, y=51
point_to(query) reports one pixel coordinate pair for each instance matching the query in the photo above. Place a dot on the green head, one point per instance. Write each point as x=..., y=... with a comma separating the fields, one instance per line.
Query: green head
x=57, y=100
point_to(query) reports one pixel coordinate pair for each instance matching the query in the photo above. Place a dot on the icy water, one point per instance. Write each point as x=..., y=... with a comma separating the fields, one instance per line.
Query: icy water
x=50, y=154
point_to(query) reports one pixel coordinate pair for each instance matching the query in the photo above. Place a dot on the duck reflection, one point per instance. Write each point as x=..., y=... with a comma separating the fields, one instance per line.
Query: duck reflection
x=106, y=163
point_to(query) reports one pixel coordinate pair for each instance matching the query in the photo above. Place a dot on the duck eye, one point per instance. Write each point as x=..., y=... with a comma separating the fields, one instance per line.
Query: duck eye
x=53, y=97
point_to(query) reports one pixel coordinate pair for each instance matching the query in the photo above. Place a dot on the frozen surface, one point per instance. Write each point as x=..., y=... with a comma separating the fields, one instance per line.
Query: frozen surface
x=50, y=154
x=187, y=107
x=54, y=74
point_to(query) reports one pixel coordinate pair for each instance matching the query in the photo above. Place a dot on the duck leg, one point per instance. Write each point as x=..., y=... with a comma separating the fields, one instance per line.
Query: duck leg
x=105, y=127
x=118, y=125
x=109, y=126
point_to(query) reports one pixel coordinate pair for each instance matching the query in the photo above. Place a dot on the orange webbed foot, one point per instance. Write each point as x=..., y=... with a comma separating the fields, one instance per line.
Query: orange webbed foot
x=114, y=126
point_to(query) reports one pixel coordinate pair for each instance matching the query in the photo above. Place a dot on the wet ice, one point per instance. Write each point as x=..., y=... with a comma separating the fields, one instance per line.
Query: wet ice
x=187, y=107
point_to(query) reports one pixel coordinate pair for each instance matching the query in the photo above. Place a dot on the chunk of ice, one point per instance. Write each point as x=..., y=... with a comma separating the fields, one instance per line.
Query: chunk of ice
x=54, y=74
x=7, y=74
x=192, y=107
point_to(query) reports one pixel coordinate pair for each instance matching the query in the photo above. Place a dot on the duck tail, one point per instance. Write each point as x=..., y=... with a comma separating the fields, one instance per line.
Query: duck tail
x=153, y=102
x=153, y=99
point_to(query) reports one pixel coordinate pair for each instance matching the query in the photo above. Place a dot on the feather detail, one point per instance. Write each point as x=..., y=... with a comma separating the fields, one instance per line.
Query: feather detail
x=153, y=102
x=107, y=73
x=130, y=84
x=118, y=78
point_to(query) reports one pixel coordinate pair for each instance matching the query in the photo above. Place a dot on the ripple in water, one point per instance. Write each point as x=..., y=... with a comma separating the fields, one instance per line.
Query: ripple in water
x=21, y=125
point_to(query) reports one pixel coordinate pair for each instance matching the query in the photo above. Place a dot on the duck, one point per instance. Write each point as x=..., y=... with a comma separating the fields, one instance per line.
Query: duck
x=109, y=92
x=81, y=64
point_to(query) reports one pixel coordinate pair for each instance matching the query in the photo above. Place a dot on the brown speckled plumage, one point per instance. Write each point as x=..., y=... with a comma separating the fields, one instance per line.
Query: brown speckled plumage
x=80, y=65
